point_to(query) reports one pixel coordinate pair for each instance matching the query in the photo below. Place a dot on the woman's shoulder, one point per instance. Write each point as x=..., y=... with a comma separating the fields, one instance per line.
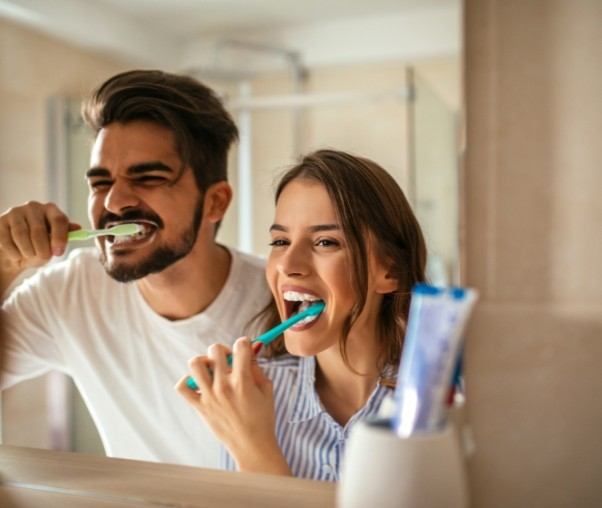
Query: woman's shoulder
x=280, y=361
x=280, y=365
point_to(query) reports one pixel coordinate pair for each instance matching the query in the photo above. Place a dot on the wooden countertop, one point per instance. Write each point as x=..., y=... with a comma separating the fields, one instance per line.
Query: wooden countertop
x=31, y=478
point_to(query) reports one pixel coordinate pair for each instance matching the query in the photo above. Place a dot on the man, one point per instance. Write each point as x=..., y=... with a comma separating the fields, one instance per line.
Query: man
x=124, y=328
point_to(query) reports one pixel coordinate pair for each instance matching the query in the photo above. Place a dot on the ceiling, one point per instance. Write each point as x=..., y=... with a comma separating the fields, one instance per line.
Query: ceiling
x=179, y=34
x=186, y=18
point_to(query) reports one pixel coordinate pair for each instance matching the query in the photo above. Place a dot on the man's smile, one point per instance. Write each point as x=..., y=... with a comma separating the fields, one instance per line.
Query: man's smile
x=146, y=235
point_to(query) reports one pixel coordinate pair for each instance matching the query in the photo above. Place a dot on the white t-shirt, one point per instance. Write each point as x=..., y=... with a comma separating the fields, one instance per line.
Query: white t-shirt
x=124, y=357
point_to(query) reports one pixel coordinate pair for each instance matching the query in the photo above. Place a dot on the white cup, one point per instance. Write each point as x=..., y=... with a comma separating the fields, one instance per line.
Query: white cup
x=382, y=470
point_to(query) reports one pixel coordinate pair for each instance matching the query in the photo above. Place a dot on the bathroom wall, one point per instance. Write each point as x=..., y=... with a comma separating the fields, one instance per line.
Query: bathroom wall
x=533, y=234
x=32, y=68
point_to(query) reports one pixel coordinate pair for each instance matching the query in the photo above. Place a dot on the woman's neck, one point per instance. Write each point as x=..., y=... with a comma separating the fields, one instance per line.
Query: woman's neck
x=342, y=391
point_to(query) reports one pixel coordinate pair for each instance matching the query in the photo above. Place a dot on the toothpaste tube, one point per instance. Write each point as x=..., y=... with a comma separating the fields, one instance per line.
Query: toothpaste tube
x=433, y=341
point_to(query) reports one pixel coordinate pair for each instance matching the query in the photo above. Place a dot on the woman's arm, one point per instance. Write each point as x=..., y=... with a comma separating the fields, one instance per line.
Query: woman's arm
x=238, y=405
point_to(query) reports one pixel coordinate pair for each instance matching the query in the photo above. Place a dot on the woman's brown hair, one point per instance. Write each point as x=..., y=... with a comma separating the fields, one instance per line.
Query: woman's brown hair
x=369, y=203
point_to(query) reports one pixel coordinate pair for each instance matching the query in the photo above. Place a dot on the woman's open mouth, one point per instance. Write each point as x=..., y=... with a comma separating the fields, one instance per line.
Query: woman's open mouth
x=130, y=241
x=295, y=302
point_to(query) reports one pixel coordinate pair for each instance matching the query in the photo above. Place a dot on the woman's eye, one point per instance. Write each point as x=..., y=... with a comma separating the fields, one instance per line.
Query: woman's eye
x=278, y=242
x=327, y=242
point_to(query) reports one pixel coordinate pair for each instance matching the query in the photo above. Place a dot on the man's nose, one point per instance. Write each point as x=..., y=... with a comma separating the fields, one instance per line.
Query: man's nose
x=120, y=197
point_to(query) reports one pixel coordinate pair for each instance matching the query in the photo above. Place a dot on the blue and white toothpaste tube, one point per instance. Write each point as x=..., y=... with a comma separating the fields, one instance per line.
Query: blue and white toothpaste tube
x=433, y=341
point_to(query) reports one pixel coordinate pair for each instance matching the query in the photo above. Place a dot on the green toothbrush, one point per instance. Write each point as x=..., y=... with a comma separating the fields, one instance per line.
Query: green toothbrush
x=120, y=230
x=270, y=335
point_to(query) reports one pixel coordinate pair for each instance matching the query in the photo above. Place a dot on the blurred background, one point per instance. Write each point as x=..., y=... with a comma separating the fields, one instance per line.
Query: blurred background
x=380, y=79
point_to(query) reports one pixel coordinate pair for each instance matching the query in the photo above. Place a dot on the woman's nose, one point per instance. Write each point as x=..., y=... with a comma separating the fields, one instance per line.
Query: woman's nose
x=120, y=197
x=295, y=262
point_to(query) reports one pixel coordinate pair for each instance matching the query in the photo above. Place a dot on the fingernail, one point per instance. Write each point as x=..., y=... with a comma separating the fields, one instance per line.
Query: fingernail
x=57, y=251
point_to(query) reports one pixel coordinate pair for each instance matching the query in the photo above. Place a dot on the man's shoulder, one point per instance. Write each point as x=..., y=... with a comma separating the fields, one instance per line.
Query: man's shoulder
x=248, y=261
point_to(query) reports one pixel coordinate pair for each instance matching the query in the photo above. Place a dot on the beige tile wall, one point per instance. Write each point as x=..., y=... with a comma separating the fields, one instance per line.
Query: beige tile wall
x=33, y=67
x=534, y=245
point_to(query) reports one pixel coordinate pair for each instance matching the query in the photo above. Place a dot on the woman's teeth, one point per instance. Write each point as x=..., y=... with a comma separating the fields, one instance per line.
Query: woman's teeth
x=306, y=320
x=298, y=302
x=294, y=296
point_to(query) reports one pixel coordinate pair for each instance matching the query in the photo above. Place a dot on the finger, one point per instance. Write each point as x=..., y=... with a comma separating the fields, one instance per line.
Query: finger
x=200, y=371
x=189, y=395
x=38, y=230
x=218, y=354
x=242, y=359
x=59, y=227
x=7, y=245
x=262, y=382
x=256, y=347
x=21, y=236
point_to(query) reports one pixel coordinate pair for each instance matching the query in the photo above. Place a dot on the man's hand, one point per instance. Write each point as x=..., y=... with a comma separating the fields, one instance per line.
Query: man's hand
x=29, y=236
x=238, y=405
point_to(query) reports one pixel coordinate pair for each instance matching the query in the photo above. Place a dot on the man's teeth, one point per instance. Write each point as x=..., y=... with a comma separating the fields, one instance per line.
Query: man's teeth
x=143, y=233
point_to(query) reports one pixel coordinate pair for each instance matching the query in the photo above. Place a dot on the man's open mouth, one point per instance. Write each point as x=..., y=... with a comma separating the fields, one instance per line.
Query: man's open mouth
x=296, y=302
x=148, y=228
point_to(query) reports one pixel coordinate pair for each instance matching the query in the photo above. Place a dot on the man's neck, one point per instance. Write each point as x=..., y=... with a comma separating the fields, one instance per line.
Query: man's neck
x=188, y=286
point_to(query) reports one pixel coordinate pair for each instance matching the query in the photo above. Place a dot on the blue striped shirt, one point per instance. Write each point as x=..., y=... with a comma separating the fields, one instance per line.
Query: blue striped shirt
x=312, y=442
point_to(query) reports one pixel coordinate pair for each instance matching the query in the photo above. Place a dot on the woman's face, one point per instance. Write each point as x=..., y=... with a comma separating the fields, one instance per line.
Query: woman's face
x=309, y=261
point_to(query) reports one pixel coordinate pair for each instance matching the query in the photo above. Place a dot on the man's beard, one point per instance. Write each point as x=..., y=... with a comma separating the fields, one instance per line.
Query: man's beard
x=162, y=257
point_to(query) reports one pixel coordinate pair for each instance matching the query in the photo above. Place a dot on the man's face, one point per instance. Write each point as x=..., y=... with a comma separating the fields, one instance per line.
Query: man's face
x=136, y=175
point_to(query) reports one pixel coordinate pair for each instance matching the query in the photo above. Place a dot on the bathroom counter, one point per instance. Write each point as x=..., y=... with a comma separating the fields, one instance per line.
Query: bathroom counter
x=32, y=478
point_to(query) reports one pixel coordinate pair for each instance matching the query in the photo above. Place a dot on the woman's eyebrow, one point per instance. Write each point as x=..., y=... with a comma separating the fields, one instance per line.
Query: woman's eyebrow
x=314, y=229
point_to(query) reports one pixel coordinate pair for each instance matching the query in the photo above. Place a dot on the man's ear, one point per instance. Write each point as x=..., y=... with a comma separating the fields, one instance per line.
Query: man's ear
x=217, y=199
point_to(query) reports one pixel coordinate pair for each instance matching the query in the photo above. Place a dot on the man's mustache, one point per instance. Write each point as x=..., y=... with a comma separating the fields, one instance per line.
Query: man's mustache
x=130, y=216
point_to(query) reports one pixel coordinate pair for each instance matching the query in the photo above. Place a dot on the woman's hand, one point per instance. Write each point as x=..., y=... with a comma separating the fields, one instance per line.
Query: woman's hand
x=238, y=405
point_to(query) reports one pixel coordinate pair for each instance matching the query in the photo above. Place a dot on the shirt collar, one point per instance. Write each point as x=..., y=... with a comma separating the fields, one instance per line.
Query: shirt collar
x=306, y=403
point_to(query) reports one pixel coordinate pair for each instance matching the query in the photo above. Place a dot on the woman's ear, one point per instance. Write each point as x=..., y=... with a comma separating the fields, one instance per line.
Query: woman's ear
x=217, y=199
x=385, y=280
x=386, y=283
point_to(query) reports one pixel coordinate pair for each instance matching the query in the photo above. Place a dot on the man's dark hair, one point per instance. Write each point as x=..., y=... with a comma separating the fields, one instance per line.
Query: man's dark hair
x=202, y=128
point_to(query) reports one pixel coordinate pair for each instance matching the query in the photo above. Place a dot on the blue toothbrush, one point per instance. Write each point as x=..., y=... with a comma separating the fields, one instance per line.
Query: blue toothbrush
x=274, y=333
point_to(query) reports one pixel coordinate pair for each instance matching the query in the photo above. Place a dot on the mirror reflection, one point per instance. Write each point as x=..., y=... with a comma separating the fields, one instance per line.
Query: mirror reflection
x=378, y=82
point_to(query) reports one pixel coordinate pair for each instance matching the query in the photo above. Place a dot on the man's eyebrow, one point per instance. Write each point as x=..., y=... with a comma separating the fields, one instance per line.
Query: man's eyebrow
x=314, y=229
x=135, y=169
x=92, y=172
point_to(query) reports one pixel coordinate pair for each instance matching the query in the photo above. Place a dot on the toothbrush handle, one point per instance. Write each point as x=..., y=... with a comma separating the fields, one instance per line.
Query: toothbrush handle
x=79, y=234
x=269, y=336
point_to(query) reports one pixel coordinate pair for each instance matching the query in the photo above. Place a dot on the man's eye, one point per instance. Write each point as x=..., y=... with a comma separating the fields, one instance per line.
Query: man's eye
x=100, y=184
x=151, y=179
